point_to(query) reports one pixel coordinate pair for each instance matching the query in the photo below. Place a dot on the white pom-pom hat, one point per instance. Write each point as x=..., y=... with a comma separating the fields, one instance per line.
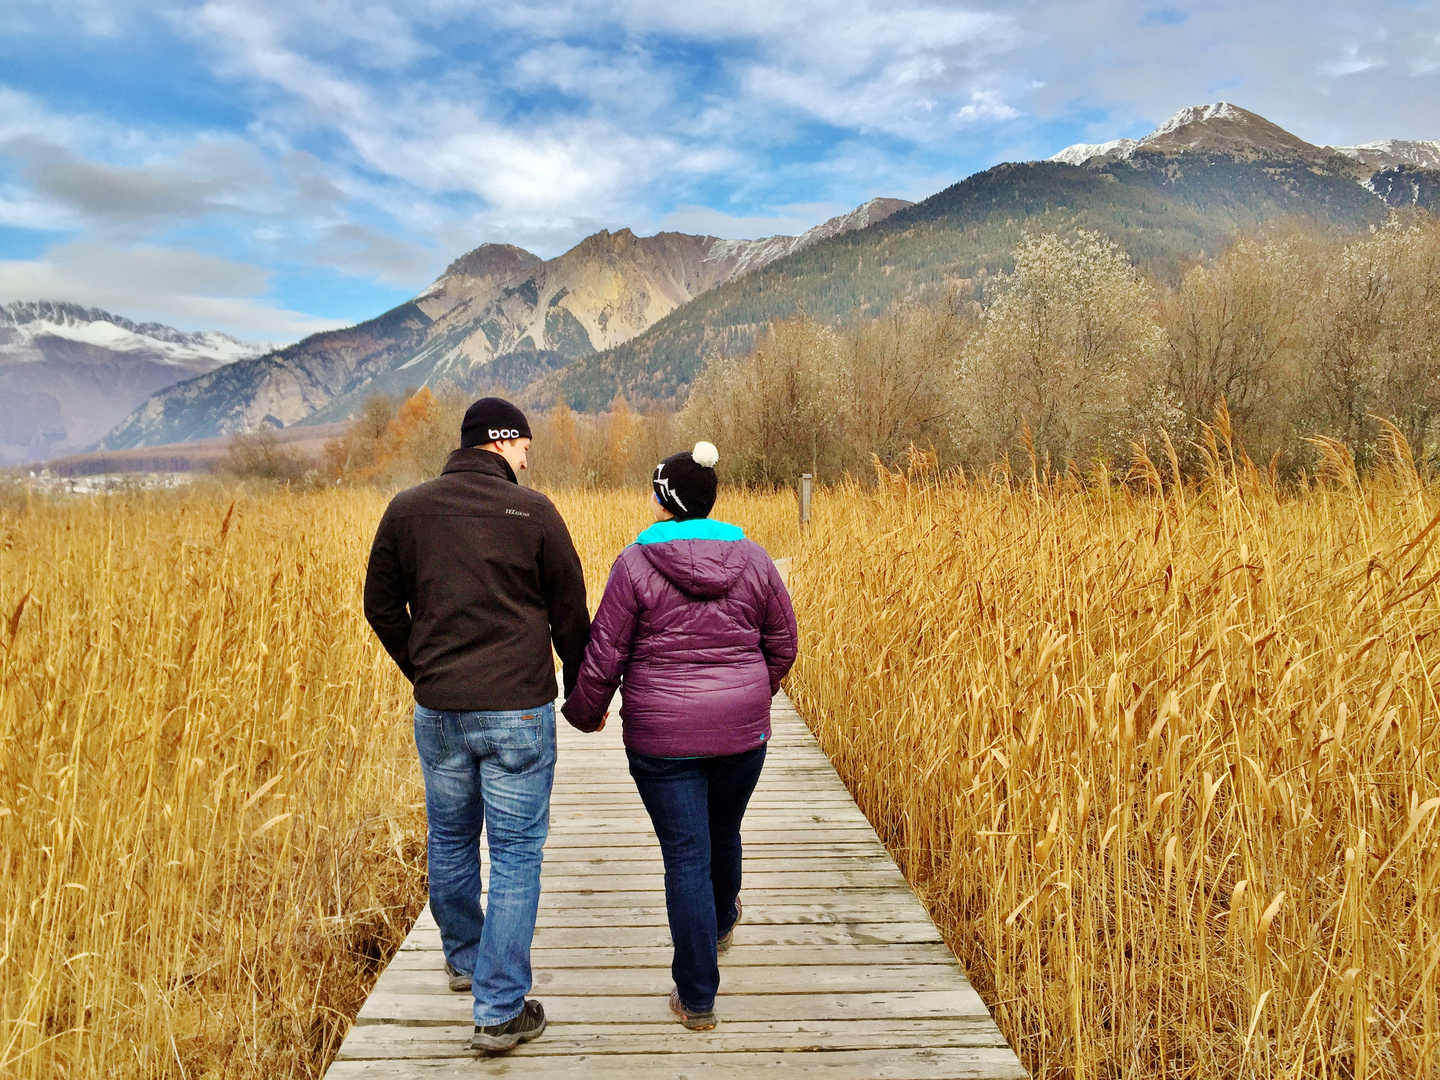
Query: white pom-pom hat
x=686, y=484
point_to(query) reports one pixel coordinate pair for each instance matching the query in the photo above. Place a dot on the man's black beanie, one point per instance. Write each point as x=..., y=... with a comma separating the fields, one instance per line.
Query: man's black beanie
x=684, y=485
x=490, y=420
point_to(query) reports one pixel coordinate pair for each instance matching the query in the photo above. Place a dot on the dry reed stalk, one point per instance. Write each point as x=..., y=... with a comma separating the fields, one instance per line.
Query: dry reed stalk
x=1166, y=767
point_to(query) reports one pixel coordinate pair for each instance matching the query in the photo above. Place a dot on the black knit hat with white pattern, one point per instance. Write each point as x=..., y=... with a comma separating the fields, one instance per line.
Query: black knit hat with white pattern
x=492, y=419
x=685, y=483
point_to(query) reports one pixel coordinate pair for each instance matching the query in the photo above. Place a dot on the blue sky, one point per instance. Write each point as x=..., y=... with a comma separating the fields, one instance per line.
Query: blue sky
x=274, y=167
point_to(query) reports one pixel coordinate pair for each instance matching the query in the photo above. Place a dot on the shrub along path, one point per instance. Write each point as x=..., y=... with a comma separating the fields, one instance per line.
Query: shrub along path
x=836, y=970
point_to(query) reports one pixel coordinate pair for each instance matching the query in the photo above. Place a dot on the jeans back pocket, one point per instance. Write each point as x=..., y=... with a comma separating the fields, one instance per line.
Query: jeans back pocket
x=518, y=739
x=430, y=741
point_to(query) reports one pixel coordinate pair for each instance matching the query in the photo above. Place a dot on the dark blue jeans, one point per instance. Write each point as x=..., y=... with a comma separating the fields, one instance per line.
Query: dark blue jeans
x=696, y=806
x=490, y=770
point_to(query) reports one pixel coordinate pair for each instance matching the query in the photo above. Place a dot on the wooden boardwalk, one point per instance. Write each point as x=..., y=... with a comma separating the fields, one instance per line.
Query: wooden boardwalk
x=837, y=970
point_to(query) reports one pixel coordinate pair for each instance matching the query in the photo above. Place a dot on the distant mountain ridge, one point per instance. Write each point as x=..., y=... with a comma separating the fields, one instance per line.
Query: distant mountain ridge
x=1220, y=128
x=27, y=320
x=1228, y=129
x=69, y=373
x=498, y=316
x=1182, y=193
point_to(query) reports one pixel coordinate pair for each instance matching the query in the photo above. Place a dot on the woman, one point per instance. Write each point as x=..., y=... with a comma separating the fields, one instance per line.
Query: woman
x=698, y=625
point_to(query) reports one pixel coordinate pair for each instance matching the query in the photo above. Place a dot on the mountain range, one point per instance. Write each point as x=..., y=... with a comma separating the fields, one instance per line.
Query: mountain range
x=1179, y=195
x=640, y=315
x=499, y=318
x=68, y=374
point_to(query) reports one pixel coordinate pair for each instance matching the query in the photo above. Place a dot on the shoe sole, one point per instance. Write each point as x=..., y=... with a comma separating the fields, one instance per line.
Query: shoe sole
x=497, y=1043
x=696, y=1025
x=723, y=945
x=459, y=981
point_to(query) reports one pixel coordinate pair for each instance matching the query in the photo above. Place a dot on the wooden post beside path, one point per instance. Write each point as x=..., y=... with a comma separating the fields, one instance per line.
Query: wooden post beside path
x=836, y=971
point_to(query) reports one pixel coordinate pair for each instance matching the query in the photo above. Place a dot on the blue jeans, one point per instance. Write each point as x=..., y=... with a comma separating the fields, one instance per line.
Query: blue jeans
x=490, y=769
x=696, y=806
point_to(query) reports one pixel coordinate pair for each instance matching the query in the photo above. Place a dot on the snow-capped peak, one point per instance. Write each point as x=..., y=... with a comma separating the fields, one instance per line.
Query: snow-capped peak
x=1198, y=114
x=28, y=320
x=1218, y=128
x=1387, y=153
x=1083, y=152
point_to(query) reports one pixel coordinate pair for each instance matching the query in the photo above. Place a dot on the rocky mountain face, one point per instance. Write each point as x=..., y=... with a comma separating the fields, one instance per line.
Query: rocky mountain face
x=499, y=317
x=68, y=374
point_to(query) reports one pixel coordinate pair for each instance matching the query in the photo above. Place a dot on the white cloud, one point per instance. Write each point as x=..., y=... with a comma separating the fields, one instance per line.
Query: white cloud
x=711, y=222
x=184, y=288
x=985, y=105
x=1352, y=63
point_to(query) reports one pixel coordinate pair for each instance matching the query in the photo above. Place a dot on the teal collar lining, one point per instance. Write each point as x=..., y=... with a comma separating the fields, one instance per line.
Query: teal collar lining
x=694, y=529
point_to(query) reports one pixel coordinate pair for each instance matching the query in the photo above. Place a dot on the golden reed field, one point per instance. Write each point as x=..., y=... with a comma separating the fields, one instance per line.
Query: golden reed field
x=1166, y=766
x=211, y=819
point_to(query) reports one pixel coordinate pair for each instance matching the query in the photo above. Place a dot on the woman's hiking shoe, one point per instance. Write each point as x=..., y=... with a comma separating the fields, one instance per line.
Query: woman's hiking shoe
x=728, y=938
x=692, y=1020
x=528, y=1025
x=459, y=981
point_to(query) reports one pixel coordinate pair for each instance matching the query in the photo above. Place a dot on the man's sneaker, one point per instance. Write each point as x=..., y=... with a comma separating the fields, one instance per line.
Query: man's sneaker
x=728, y=938
x=692, y=1020
x=459, y=981
x=528, y=1025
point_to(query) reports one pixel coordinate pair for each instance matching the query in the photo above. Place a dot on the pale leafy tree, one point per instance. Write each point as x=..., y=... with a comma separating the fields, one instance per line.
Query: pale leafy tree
x=1070, y=352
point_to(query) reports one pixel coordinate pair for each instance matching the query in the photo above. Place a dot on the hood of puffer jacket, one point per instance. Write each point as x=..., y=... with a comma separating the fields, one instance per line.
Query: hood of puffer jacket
x=700, y=557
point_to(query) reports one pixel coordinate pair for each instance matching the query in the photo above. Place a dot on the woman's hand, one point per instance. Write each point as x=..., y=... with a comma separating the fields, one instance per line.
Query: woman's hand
x=602, y=720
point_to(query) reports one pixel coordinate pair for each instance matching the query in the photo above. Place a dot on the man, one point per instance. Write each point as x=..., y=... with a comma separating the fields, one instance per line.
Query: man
x=471, y=577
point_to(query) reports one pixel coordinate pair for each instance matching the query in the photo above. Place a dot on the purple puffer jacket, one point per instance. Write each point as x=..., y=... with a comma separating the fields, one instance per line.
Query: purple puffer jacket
x=697, y=623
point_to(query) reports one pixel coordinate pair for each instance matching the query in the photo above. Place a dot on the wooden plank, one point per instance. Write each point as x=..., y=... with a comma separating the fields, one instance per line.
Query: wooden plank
x=809, y=935
x=757, y=900
x=864, y=859
x=656, y=981
x=817, y=815
x=602, y=917
x=906, y=1063
x=959, y=1003
x=634, y=836
x=796, y=799
x=754, y=880
x=858, y=847
x=380, y=1042
x=760, y=901
x=743, y=954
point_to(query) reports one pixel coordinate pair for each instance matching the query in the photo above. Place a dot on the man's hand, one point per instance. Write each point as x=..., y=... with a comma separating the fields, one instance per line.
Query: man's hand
x=602, y=720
